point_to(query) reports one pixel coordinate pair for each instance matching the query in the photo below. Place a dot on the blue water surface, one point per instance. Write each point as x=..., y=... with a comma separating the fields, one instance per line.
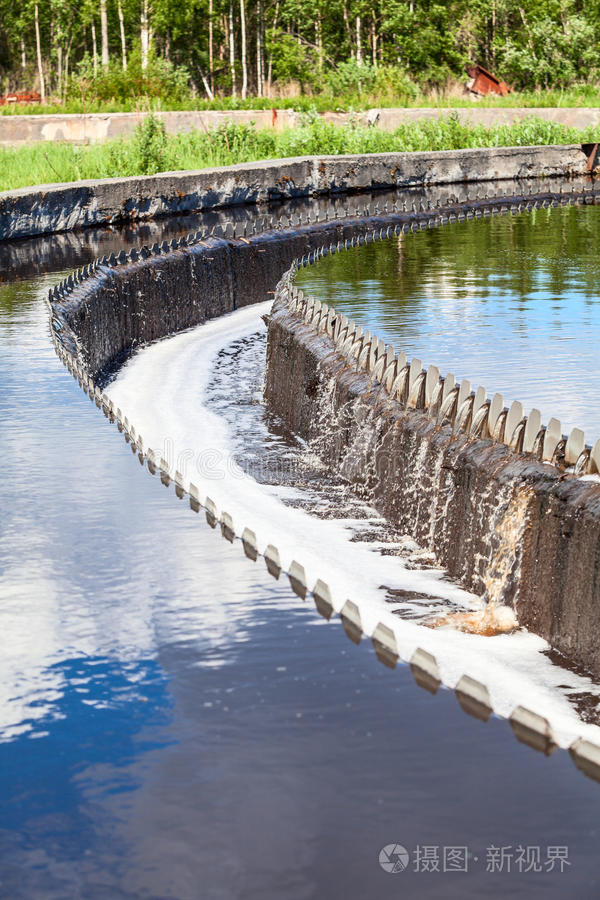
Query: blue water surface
x=175, y=723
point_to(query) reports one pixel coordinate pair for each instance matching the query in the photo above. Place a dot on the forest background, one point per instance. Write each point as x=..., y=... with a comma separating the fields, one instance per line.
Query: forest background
x=109, y=55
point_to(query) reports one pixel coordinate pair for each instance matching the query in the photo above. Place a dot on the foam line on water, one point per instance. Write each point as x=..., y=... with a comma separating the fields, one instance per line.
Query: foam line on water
x=162, y=391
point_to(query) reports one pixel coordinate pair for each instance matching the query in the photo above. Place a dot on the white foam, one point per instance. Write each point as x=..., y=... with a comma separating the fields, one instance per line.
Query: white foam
x=162, y=390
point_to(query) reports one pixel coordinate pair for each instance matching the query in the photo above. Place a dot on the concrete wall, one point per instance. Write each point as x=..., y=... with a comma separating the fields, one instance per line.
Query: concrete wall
x=97, y=127
x=102, y=319
x=453, y=493
x=505, y=524
x=553, y=574
x=63, y=207
x=386, y=631
x=106, y=312
x=573, y=117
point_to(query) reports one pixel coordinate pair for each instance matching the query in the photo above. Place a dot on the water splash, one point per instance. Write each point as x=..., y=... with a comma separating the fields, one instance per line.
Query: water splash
x=165, y=390
x=505, y=566
x=502, y=572
x=349, y=436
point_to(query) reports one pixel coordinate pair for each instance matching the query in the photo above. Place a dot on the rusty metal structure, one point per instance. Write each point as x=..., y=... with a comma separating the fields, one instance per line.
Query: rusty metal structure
x=592, y=151
x=20, y=98
x=483, y=82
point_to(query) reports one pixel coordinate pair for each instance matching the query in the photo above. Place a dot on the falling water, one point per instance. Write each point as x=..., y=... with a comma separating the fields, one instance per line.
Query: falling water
x=349, y=436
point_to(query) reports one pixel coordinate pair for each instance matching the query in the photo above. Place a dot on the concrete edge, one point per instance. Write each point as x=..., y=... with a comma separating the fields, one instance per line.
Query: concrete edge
x=423, y=665
x=474, y=697
x=52, y=208
x=444, y=398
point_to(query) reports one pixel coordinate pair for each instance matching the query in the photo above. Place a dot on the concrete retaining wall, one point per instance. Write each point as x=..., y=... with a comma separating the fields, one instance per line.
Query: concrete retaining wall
x=124, y=303
x=386, y=632
x=504, y=523
x=98, y=127
x=108, y=307
x=64, y=207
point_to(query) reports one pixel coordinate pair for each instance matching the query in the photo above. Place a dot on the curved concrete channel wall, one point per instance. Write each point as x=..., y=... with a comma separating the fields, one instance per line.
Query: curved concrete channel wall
x=494, y=494
x=103, y=312
x=62, y=207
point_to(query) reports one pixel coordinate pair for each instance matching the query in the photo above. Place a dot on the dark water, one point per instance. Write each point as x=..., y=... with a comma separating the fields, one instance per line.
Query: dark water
x=177, y=724
x=512, y=303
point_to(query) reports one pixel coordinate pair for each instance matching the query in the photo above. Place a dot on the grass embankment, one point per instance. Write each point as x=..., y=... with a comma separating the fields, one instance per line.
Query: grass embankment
x=150, y=150
x=579, y=96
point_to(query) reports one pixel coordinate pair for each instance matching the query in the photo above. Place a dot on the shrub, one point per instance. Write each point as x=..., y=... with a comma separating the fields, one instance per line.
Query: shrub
x=145, y=153
x=350, y=78
x=292, y=60
x=394, y=82
x=159, y=81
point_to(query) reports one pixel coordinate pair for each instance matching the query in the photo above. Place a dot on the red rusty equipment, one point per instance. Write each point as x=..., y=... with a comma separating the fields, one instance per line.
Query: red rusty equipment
x=483, y=82
x=592, y=151
x=20, y=97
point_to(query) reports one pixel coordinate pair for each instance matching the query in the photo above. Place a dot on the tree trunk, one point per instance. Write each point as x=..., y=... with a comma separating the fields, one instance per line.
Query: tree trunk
x=358, y=42
x=94, y=49
x=144, y=34
x=211, y=59
x=51, y=42
x=270, y=69
x=373, y=39
x=347, y=27
x=222, y=51
x=122, y=30
x=259, y=73
x=209, y=93
x=38, y=48
x=528, y=32
x=231, y=49
x=104, y=32
x=244, y=50
x=67, y=55
x=23, y=57
x=320, y=41
x=59, y=56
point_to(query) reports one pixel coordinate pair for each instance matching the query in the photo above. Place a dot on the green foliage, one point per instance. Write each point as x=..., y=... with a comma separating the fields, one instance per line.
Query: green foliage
x=151, y=150
x=412, y=51
x=427, y=42
x=407, y=94
x=145, y=153
x=350, y=78
x=554, y=55
x=160, y=80
x=293, y=60
x=394, y=82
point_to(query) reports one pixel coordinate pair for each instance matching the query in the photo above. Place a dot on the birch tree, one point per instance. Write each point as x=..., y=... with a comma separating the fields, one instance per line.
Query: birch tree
x=244, y=49
x=145, y=33
x=104, y=33
x=38, y=47
x=122, y=32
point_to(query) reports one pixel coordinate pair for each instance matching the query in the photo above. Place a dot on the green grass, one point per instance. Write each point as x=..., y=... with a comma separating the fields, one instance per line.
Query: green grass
x=578, y=96
x=150, y=150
